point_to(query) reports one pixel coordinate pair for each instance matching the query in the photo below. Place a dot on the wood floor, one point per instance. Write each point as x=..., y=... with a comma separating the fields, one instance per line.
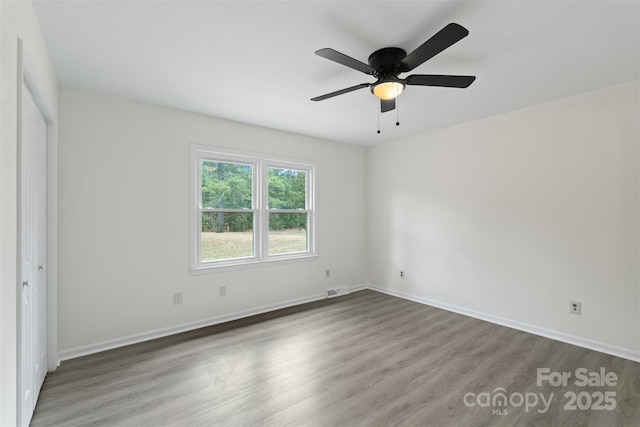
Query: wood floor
x=366, y=359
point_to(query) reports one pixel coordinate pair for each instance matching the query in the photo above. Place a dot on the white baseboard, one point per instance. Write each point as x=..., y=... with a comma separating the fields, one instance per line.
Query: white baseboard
x=159, y=333
x=547, y=333
x=358, y=288
x=85, y=350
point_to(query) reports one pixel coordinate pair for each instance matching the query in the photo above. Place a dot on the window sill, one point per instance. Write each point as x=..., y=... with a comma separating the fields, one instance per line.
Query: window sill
x=210, y=269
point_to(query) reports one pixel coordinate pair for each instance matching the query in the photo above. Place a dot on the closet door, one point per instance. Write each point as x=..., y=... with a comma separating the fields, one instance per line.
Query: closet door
x=33, y=220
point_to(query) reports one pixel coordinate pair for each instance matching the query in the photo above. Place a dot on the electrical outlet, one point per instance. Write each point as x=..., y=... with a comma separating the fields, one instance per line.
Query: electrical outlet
x=575, y=307
x=223, y=291
x=177, y=298
x=402, y=274
x=327, y=273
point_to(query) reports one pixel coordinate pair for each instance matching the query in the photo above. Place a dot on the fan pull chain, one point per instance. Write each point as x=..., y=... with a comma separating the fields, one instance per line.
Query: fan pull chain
x=378, y=109
x=397, y=113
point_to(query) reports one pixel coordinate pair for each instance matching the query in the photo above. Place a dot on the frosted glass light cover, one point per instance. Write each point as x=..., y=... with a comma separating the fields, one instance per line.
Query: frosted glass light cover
x=388, y=90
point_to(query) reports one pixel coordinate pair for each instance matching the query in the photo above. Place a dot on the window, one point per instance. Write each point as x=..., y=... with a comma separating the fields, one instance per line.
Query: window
x=249, y=209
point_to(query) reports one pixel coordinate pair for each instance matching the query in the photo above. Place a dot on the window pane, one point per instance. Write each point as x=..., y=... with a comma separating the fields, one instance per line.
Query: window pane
x=226, y=185
x=226, y=235
x=287, y=188
x=287, y=233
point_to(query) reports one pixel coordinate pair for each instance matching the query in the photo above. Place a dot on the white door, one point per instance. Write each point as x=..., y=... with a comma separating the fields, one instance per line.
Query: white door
x=33, y=208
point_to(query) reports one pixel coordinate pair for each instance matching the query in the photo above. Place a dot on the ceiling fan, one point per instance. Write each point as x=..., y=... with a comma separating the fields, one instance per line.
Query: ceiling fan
x=387, y=63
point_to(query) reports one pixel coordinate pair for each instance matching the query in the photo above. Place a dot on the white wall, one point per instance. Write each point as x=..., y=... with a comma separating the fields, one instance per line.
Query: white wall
x=515, y=215
x=123, y=220
x=17, y=19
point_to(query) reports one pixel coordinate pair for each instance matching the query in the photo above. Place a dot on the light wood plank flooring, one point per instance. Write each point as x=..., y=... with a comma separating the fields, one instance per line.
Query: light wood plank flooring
x=366, y=359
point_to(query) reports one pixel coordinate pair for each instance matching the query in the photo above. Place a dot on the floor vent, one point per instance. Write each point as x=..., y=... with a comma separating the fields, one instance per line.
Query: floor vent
x=336, y=292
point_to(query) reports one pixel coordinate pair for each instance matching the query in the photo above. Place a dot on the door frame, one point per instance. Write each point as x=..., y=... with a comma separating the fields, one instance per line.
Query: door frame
x=28, y=75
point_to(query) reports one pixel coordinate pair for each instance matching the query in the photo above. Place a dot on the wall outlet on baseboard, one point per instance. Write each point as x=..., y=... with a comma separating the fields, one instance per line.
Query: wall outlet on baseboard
x=575, y=307
x=327, y=273
x=223, y=291
x=402, y=274
x=177, y=298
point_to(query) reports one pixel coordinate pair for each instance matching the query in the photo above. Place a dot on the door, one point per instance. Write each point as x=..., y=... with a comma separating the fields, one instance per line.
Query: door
x=33, y=214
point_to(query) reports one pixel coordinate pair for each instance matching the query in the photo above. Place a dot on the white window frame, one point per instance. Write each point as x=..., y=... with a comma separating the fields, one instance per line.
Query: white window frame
x=260, y=197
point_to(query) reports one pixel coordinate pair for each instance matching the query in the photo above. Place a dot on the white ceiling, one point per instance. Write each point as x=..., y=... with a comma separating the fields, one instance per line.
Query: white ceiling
x=254, y=62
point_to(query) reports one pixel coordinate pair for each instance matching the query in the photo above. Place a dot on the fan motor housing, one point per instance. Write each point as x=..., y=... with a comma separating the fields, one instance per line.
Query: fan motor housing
x=386, y=60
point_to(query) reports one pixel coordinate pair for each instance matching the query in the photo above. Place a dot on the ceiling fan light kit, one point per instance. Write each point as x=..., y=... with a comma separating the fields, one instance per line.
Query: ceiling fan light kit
x=386, y=64
x=387, y=90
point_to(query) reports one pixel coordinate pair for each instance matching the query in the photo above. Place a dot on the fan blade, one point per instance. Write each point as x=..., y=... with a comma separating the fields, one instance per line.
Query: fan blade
x=387, y=105
x=439, y=80
x=340, y=92
x=444, y=38
x=343, y=59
